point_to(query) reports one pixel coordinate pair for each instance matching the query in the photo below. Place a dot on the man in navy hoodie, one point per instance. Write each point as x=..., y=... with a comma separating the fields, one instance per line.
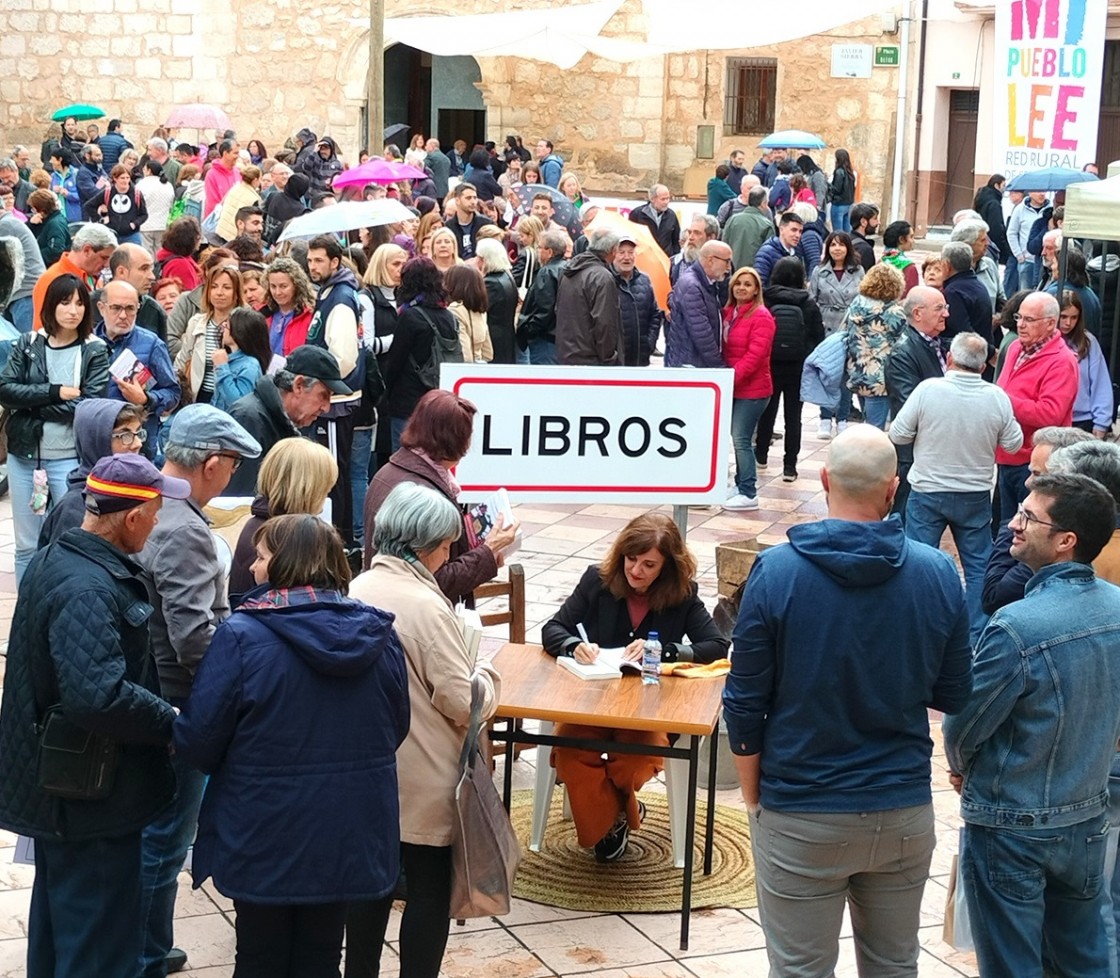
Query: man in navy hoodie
x=846, y=636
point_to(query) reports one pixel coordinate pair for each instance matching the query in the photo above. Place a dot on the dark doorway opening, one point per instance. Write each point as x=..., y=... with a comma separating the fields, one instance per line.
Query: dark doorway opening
x=960, y=169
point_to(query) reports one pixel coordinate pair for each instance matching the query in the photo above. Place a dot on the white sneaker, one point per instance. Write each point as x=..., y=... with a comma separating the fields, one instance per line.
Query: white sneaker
x=739, y=501
x=841, y=426
x=824, y=431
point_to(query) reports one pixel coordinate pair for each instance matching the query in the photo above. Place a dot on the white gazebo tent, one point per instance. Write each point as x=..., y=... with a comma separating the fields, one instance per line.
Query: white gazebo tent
x=1092, y=212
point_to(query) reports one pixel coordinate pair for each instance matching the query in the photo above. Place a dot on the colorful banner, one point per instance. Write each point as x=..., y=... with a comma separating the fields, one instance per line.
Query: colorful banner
x=1048, y=66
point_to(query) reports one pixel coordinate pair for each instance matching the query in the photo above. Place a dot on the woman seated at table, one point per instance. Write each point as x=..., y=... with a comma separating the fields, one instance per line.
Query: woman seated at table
x=645, y=584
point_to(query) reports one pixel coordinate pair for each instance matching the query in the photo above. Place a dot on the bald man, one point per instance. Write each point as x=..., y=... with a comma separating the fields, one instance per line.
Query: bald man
x=695, y=337
x=846, y=635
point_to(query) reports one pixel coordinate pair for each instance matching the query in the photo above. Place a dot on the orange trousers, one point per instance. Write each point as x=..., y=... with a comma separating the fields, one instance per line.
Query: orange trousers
x=600, y=787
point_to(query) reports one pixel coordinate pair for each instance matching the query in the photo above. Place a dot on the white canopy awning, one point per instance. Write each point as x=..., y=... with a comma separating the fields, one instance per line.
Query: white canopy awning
x=563, y=34
x=722, y=25
x=1093, y=210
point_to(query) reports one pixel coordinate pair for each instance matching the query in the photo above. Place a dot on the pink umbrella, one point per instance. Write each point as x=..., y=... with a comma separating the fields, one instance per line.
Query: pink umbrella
x=377, y=171
x=197, y=116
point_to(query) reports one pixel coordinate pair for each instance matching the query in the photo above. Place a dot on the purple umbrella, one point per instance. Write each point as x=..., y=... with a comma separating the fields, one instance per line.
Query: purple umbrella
x=377, y=170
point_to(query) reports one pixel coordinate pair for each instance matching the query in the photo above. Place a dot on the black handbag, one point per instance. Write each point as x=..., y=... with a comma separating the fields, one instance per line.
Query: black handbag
x=74, y=762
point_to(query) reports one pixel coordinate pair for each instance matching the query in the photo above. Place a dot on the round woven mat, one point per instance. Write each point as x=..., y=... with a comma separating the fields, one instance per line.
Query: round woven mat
x=565, y=875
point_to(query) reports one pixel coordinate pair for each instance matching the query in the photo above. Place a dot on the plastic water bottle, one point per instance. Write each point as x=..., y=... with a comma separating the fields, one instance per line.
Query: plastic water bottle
x=651, y=661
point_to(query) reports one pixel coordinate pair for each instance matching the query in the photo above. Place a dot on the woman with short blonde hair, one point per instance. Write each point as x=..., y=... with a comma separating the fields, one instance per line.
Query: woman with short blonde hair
x=296, y=477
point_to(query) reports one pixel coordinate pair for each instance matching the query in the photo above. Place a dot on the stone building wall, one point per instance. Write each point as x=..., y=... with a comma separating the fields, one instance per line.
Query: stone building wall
x=278, y=66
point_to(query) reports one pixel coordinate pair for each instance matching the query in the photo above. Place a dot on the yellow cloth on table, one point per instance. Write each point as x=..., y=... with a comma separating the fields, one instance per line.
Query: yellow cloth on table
x=697, y=670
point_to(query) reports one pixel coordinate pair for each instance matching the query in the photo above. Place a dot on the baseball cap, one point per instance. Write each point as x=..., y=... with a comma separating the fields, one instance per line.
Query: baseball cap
x=210, y=429
x=119, y=482
x=627, y=238
x=318, y=364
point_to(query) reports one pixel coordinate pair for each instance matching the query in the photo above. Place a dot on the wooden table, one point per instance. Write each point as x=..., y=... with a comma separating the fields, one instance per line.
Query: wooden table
x=534, y=687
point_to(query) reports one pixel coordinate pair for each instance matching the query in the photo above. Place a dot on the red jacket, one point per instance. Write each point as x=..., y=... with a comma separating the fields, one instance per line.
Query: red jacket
x=296, y=333
x=746, y=350
x=1042, y=392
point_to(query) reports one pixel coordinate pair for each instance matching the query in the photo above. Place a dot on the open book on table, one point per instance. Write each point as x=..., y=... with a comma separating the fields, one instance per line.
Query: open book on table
x=609, y=665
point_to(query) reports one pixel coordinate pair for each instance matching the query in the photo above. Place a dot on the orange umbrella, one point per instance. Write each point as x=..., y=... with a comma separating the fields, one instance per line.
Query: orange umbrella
x=649, y=257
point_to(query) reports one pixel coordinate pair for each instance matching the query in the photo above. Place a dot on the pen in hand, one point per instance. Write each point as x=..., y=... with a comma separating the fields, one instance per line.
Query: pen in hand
x=585, y=652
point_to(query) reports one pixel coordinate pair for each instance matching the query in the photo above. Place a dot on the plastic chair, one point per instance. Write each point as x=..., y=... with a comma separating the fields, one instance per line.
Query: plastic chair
x=676, y=787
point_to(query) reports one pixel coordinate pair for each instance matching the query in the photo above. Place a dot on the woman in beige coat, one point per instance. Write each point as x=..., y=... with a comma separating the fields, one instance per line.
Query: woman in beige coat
x=416, y=527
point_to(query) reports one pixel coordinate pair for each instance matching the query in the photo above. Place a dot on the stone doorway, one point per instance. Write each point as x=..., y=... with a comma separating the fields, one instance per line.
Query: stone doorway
x=433, y=94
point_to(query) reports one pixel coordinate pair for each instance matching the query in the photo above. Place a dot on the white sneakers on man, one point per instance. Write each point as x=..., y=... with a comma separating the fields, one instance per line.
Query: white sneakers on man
x=824, y=431
x=739, y=501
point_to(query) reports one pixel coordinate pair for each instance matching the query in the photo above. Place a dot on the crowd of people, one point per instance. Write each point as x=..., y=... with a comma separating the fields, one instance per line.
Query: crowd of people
x=162, y=349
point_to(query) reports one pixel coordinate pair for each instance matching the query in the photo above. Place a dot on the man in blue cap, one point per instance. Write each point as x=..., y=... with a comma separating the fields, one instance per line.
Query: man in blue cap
x=79, y=669
x=186, y=584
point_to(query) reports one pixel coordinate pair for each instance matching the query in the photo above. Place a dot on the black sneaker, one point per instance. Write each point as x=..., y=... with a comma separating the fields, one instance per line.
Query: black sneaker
x=789, y=474
x=176, y=960
x=612, y=845
x=759, y=461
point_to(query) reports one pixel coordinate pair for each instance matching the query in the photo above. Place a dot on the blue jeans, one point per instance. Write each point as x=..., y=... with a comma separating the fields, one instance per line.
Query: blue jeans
x=85, y=908
x=745, y=412
x=1030, y=887
x=1028, y=273
x=877, y=410
x=22, y=313
x=969, y=516
x=163, y=851
x=1011, y=484
x=24, y=522
x=360, y=450
x=840, y=220
x=1111, y=908
x=542, y=353
x=845, y=408
x=1011, y=277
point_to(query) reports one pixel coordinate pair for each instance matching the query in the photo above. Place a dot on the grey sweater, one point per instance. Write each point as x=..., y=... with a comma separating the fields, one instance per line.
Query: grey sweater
x=956, y=422
x=186, y=585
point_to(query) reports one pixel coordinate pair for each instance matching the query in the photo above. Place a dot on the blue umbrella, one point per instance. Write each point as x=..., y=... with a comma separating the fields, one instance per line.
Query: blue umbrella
x=793, y=139
x=1049, y=178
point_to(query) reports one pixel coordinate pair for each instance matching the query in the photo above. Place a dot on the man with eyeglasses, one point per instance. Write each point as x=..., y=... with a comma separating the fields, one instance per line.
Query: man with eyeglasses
x=1040, y=374
x=140, y=369
x=697, y=323
x=186, y=584
x=954, y=425
x=133, y=264
x=1031, y=752
x=915, y=357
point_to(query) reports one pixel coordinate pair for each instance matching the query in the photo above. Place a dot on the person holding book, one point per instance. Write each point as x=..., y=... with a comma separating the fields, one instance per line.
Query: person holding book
x=644, y=584
x=140, y=370
x=437, y=436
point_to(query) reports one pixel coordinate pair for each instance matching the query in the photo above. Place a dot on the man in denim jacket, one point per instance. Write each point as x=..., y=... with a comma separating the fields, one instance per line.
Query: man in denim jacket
x=1036, y=742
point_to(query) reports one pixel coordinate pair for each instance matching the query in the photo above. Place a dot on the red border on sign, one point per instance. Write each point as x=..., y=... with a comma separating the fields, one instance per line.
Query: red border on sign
x=592, y=382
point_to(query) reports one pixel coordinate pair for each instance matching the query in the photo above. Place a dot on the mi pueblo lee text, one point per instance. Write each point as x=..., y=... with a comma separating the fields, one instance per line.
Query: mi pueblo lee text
x=1049, y=84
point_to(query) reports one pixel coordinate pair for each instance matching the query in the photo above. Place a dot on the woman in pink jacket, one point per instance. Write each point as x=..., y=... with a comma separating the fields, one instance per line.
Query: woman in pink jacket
x=748, y=335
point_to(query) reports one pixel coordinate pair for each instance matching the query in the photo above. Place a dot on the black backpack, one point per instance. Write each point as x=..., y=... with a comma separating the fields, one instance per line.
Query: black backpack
x=789, y=337
x=443, y=350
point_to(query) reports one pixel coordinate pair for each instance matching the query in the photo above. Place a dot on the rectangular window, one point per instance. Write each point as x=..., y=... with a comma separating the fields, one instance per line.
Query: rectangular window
x=752, y=94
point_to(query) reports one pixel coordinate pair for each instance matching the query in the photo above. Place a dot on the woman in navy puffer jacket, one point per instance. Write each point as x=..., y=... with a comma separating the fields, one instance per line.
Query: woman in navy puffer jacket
x=296, y=714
